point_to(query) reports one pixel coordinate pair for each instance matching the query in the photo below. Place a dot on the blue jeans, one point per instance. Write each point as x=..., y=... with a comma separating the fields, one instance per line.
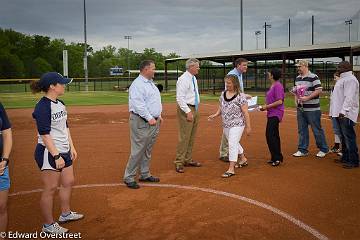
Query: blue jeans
x=348, y=141
x=5, y=180
x=336, y=127
x=311, y=118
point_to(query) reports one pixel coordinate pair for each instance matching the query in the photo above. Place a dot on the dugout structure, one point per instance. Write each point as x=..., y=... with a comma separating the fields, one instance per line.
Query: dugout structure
x=216, y=65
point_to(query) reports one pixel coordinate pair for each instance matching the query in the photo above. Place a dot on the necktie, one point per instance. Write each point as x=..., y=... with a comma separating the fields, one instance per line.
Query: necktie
x=196, y=95
x=241, y=83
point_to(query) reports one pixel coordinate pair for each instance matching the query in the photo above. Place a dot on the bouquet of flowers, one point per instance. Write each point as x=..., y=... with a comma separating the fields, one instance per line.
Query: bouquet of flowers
x=299, y=91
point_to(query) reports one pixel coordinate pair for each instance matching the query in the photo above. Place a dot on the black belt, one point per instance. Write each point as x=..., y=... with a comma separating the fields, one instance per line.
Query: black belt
x=190, y=105
x=156, y=118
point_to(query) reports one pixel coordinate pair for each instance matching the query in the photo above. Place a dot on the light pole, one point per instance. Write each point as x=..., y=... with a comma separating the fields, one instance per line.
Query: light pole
x=349, y=22
x=289, y=31
x=128, y=63
x=266, y=26
x=241, y=26
x=85, y=52
x=257, y=33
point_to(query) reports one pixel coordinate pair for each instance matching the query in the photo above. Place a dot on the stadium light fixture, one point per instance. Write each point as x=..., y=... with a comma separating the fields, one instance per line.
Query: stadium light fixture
x=349, y=22
x=257, y=34
x=128, y=60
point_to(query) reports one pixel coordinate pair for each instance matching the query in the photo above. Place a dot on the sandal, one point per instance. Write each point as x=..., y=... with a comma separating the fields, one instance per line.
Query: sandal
x=227, y=175
x=241, y=164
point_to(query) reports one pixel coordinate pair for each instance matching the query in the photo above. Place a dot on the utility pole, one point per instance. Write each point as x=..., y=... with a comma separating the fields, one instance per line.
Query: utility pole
x=289, y=25
x=312, y=29
x=266, y=26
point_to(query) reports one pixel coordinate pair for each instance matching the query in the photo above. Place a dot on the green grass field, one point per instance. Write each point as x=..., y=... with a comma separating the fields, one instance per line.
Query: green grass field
x=28, y=100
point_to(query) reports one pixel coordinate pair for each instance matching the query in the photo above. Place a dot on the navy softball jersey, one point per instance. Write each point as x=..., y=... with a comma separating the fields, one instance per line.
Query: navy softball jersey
x=51, y=118
x=4, y=124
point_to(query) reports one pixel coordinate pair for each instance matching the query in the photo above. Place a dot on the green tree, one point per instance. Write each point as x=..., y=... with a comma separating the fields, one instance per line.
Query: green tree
x=41, y=46
x=10, y=66
x=41, y=66
x=101, y=61
x=76, y=56
x=30, y=55
x=150, y=53
x=55, y=54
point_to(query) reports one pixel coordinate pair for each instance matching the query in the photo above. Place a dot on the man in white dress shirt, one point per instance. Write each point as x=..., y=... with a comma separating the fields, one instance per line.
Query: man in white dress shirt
x=188, y=99
x=344, y=107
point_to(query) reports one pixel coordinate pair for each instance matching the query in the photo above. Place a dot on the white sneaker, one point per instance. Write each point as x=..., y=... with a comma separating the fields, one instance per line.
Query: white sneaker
x=321, y=154
x=73, y=216
x=54, y=228
x=300, y=154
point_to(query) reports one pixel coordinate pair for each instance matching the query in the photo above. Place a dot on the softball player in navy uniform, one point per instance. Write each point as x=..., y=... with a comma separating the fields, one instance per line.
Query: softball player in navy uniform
x=55, y=150
x=5, y=149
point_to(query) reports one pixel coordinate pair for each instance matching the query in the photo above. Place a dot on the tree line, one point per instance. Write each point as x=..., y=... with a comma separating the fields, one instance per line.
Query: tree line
x=28, y=56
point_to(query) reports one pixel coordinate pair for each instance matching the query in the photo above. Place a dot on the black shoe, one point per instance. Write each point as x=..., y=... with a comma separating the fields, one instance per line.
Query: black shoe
x=339, y=161
x=224, y=159
x=276, y=163
x=132, y=185
x=350, y=166
x=269, y=162
x=150, y=179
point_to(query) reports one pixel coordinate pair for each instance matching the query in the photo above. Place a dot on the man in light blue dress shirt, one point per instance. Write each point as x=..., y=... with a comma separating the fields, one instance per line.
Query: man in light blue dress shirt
x=241, y=65
x=145, y=117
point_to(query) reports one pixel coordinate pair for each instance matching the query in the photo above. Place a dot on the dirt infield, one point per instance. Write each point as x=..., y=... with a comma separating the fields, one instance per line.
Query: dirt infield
x=316, y=192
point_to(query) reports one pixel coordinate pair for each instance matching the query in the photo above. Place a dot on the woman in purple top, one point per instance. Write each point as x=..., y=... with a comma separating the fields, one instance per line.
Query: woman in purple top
x=275, y=112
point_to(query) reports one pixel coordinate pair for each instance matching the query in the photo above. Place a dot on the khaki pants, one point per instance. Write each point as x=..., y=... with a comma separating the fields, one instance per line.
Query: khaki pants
x=224, y=146
x=187, y=131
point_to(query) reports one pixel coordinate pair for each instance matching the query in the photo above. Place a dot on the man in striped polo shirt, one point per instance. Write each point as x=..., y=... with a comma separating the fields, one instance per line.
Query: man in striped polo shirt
x=308, y=111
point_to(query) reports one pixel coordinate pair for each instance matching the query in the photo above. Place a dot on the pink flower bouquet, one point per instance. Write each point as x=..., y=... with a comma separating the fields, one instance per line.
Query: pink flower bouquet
x=299, y=91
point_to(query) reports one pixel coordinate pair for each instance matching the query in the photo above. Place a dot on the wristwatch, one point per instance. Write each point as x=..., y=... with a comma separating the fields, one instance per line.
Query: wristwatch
x=56, y=157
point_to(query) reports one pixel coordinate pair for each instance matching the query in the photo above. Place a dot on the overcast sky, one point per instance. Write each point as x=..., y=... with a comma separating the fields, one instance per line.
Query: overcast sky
x=182, y=26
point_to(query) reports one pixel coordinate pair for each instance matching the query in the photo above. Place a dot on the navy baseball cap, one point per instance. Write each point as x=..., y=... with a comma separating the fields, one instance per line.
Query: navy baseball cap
x=52, y=78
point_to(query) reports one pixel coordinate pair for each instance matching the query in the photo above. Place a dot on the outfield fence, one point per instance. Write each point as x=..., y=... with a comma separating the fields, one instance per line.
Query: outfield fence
x=210, y=79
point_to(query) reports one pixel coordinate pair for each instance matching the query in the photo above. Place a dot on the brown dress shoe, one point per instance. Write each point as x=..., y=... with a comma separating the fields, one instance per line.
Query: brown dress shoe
x=224, y=159
x=179, y=169
x=192, y=164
